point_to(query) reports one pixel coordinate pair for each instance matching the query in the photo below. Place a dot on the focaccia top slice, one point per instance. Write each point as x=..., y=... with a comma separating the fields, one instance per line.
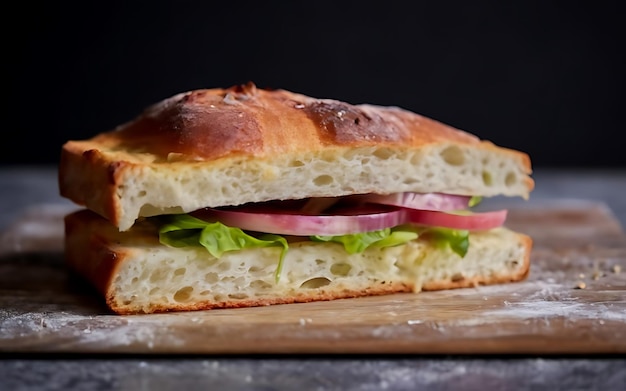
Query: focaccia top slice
x=217, y=147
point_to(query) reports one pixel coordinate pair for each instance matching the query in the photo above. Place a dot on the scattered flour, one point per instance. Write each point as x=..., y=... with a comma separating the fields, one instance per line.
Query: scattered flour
x=556, y=300
x=85, y=332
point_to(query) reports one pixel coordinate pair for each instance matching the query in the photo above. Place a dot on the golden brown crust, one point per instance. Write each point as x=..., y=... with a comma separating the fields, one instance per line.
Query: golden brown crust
x=89, y=253
x=88, y=177
x=209, y=124
x=213, y=123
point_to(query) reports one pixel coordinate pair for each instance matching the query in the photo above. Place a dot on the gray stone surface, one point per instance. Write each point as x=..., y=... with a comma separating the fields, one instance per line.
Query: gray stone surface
x=322, y=374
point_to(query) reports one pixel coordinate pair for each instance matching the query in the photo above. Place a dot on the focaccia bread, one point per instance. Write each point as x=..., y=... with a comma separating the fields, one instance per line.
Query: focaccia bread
x=137, y=274
x=217, y=147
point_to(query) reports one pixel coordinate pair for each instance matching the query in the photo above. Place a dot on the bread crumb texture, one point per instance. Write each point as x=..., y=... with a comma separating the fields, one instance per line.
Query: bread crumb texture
x=181, y=188
x=161, y=278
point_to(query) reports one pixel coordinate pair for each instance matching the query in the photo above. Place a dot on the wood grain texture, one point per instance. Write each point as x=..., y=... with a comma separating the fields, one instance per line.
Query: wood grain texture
x=577, y=245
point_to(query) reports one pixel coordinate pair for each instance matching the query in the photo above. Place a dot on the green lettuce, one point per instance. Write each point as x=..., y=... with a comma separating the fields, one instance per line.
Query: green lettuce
x=475, y=200
x=356, y=243
x=455, y=239
x=184, y=230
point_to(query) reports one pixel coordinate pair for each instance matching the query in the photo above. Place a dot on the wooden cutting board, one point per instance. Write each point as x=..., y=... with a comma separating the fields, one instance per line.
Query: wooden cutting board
x=574, y=301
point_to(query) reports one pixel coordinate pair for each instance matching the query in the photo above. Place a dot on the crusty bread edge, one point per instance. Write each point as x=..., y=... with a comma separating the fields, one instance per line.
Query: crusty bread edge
x=378, y=290
x=89, y=179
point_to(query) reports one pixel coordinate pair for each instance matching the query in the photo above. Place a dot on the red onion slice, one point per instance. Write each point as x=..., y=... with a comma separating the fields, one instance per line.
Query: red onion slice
x=472, y=221
x=369, y=212
x=423, y=201
x=271, y=221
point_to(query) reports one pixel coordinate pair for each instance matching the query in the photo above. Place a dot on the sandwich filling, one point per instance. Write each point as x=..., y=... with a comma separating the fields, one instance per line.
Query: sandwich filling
x=356, y=222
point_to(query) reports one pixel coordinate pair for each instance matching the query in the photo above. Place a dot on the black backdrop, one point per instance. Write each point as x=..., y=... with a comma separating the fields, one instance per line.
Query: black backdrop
x=544, y=77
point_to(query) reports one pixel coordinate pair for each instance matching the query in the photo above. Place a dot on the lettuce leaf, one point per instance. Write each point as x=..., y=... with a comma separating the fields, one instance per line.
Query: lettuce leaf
x=356, y=243
x=475, y=200
x=455, y=239
x=184, y=230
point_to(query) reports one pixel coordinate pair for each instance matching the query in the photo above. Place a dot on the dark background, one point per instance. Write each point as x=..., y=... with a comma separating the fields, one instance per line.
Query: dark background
x=543, y=77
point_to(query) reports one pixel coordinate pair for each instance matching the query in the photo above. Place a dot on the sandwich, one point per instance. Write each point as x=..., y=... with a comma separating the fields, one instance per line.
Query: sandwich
x=243, y=196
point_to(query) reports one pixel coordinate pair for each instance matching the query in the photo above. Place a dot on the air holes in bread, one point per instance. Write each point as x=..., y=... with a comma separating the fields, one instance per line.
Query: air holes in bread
x=487, y=178
x=314, y=283
x=211, y=278
x=260, y=284
x=457, y=277
x=453, y=155
x=183, y=294
x=323, y=180
x=383, y=153
x=180, y=271
x=510, y=179
x=340, y=269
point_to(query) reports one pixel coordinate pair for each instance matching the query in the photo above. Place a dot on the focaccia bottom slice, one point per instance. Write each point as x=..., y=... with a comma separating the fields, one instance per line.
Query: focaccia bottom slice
x=137, y=274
